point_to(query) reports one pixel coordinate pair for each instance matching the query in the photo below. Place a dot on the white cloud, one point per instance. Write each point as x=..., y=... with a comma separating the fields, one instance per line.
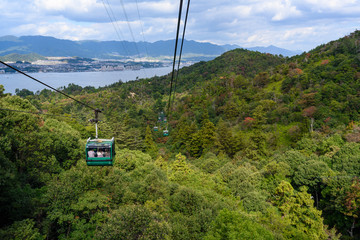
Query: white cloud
x=66, y=5
x=163, y=7
x=79, y=10
x=331, y=8
x=293, y=24
x=285, y=10
x=277, y=10
x=301, y=32
x=61, y=30
x=331, y=4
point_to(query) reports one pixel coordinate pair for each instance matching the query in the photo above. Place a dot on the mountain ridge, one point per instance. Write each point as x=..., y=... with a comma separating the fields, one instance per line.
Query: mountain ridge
x=50, y=46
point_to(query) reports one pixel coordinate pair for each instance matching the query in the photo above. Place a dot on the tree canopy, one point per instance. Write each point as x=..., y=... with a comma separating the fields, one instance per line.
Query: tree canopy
x=260, y=147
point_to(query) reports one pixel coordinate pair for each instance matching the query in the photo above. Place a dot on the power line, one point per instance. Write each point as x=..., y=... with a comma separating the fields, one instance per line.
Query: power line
x=82, y=103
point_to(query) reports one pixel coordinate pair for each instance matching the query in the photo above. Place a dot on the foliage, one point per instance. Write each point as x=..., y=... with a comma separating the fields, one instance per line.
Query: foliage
x=298, y=209
x=239, y=163
x=24, y=229
x=134, y=222
x=233, y=225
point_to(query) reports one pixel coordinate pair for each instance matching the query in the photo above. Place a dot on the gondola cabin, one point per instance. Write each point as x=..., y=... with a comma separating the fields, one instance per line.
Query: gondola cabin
x=100, y=152
x=166, y=133
x=156, y=129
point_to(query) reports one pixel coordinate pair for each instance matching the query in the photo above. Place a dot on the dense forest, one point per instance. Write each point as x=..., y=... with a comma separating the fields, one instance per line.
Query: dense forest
x=260, y=147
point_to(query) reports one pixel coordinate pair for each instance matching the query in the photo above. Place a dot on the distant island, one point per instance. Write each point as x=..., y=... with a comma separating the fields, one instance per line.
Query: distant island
x=75, y=64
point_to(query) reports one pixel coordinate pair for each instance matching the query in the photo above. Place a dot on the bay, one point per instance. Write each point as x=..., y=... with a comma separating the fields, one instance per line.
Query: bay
x=83, y=79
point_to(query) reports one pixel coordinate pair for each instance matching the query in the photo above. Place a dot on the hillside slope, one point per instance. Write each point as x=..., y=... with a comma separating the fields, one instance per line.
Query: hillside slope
x=260, y=147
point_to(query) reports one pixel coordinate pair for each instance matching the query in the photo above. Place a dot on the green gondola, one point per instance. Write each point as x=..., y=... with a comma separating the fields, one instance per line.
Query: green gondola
x=156, y=129
x=100, y=152
x=166, y=133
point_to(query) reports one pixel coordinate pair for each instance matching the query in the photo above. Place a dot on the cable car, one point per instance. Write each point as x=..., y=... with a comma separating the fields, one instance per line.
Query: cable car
x=166, y=133
x=100, y=152
x=156, y=129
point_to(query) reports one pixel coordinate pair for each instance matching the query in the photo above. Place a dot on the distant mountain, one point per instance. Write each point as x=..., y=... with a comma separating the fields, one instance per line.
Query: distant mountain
x=50, y=47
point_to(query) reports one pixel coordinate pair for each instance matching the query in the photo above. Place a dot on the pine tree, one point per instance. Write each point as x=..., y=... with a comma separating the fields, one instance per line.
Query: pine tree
x=207, y=133
x=298, y=208
x=150, y=146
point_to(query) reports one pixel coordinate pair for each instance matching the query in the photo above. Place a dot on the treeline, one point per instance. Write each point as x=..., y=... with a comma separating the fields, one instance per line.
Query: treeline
x=260, y=147
x=14, y=57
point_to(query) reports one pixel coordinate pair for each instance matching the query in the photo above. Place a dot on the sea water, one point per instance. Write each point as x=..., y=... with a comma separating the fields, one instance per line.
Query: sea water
x=56, y=80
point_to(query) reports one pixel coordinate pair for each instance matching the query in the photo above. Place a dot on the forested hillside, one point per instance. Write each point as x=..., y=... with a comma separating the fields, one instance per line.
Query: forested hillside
x=260, y=147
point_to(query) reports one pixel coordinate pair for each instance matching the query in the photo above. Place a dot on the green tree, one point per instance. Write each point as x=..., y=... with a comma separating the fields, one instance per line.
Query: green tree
x=207, y=133
x=352, y=204
x=133, y=222
x=64, y=145
x=347, y=159
x=150, y=146
x=24, y=229
x=297, y=207
x=225, y=140
x=292, y=158
x=179, y=169
x=261, y=79
x=310, y=174
x=232, y=225
x=194, y=145
x=341, y=203
x=187, y=201
x=2, y=89
x=273, y=173
x=183, y=134
x=23, y=93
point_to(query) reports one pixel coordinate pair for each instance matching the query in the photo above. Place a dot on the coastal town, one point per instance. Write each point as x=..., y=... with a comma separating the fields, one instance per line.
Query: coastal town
x=78, y=64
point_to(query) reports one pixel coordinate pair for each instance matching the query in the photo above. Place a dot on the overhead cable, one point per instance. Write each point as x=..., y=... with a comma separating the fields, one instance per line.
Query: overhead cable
x=174, y=61
x=128, y=23
x=181, y=48
x=115, y=24
x=56, y=90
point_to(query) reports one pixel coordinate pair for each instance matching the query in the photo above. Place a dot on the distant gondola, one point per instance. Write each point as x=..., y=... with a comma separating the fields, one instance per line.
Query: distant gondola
x=156, y=129
x=166, y=133
x=100, y=152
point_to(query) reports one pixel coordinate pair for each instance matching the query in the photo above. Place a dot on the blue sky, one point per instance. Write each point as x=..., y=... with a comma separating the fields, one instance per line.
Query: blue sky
x=291, y=24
